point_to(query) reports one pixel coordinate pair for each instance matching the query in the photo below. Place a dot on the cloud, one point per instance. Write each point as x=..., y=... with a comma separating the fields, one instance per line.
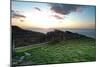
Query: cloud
x=57, y=17
x=16, y=14
x=37, y=8
x=64, y=8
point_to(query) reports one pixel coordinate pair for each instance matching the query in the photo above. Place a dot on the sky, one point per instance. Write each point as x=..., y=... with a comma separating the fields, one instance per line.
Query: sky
x=52, y=15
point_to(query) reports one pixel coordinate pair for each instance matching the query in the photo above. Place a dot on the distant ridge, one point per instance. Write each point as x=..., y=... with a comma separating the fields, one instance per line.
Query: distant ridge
x=21, y=37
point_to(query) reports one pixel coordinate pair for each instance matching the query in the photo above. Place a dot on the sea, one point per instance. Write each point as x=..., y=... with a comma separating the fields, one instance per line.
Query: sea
x=86, y=32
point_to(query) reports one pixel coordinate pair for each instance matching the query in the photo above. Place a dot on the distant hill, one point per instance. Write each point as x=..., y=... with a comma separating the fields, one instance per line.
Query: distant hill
x=21, y=37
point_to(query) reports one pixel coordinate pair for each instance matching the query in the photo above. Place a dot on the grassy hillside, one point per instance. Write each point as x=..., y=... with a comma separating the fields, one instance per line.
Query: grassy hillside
x=74, y=50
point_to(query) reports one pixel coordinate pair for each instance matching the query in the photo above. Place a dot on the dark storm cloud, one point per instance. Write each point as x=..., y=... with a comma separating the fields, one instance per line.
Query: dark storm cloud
x=64, y=8
x=16, y=14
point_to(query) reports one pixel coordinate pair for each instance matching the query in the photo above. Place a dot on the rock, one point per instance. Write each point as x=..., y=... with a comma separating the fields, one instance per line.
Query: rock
x=27, y=54
x=22, y=57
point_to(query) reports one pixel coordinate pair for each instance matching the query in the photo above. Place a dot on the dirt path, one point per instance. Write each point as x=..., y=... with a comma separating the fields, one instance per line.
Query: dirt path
x=29, y=46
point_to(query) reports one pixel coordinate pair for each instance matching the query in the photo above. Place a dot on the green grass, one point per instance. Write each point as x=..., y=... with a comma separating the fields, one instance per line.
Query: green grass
x=61, y=52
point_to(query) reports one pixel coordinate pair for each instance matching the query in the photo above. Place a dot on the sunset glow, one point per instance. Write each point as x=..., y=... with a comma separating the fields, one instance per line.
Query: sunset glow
x=45, y=15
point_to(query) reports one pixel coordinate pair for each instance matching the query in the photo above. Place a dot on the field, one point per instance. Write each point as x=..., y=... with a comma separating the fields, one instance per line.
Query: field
x=74, y=50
